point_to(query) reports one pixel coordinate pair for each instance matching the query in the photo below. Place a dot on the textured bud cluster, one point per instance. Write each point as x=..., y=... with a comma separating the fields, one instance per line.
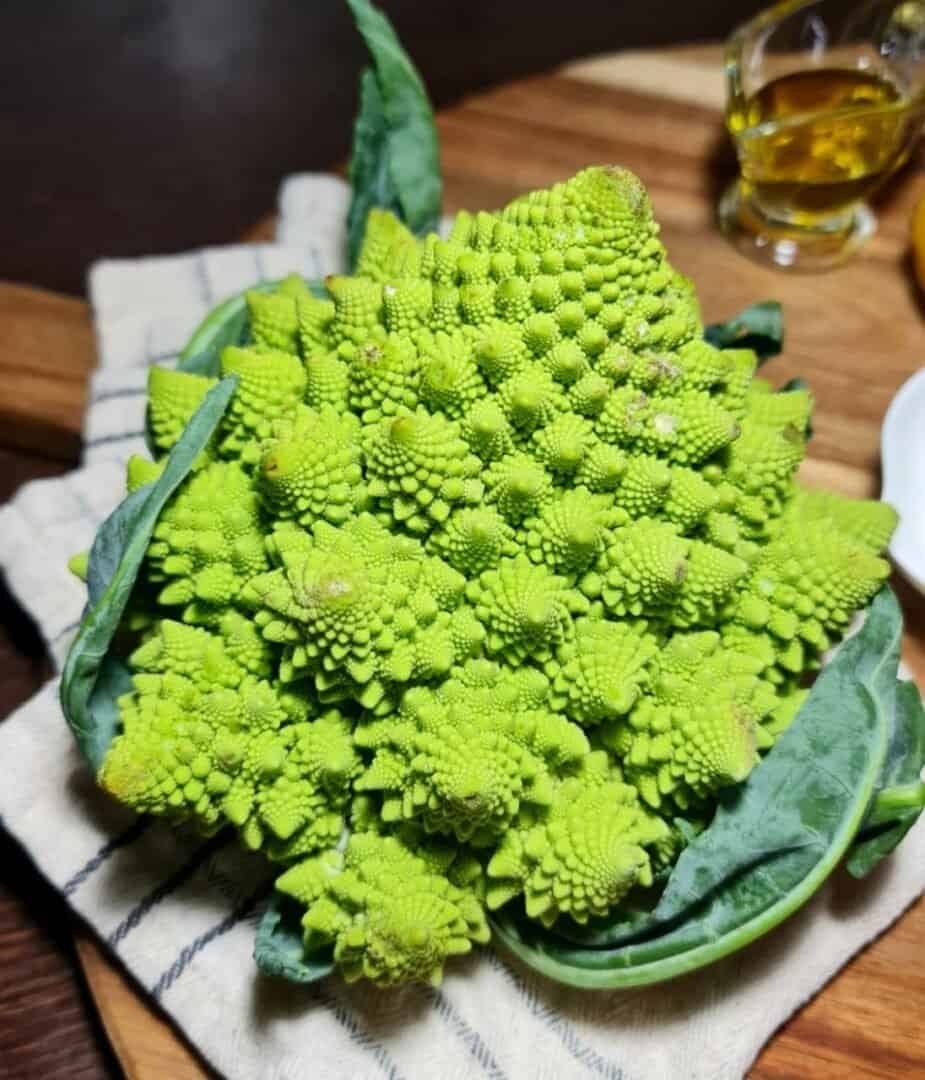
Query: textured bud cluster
x=494, y=574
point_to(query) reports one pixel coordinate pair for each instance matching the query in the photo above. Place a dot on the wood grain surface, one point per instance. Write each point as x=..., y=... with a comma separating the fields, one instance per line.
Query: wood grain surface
x=855, y=334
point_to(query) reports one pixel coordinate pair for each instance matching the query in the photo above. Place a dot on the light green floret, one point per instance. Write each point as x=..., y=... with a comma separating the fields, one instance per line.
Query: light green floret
x=564, y=444
x=418, y=467
x=310, y=467
x=487, y=431
x=173, y=397
x=531, y=398
x=389, y=250
x=698, y=729
x=273, y=316
x=589, y=395
x=566, y=362
x=390, y=918
x=406, y=305
x=326, y=381
x=354, y=610
x=141, y=470
x=525, y=609
x=460, y=767
x=690, y=498
x=220, y=659
x=778, y=410
x=709, y=580
x=602, y=468
x=450, y=381
x=204, y=740
x=641, y=569
x=570, y=530
x=383, y=375
x=868, y=522
x=473, y=539
x=763, y=460
x=357, y=309
x=270, y=386
x=315, y=317
x=580, y=858
x=518, y=485
x=803, y=588
x=600, y=672
x=686, y=429
x=208, y=543
x=658, y=374
x=644, y=485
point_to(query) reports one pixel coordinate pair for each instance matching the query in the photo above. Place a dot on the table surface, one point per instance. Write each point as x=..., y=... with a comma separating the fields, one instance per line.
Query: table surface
x=855, y=334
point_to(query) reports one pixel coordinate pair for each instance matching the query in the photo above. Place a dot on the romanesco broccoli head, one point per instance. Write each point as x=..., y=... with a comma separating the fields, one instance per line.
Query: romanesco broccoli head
x=493, y=568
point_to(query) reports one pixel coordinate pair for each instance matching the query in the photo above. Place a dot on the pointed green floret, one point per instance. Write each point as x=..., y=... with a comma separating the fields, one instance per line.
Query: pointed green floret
x=203, y=739
x=389, y=248
x=173, y=397
x=525, y=609
x=270, y=386
x=460, y=765
x=569, y=532
x=583, y=858
x=208, y=543
x=274, y=320
x=418, y=468
x=473, y=539
x=390, y=918
x=310, y=467
x=493, y=571
x=698, y=729
x=602, y=671
x=360, y=611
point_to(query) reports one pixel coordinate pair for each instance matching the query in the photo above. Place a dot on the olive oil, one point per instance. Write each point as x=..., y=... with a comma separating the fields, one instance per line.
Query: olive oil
x=813, y=143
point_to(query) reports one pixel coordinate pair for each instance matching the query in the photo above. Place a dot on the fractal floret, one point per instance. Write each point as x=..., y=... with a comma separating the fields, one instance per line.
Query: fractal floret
x=493, y=576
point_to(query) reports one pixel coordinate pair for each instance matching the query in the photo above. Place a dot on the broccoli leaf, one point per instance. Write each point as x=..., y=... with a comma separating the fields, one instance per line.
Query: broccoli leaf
x=92, y=678
x=278, y=947
x=900, y=796
x=774, y=840
x=396, y=156
x=760, y=327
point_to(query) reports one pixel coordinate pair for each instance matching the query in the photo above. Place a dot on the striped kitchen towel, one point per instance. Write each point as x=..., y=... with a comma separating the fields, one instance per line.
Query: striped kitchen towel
x=180, y=912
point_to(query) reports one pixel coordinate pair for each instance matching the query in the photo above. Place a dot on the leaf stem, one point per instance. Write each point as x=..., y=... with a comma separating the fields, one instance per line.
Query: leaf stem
x=896, y=799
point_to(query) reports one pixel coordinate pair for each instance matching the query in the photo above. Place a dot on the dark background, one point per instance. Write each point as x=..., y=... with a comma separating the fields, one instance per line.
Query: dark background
x=149, y=126
x=155, y=125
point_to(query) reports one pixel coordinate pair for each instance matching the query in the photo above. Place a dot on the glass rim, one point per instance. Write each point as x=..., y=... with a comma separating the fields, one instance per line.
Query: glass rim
x=768, y=17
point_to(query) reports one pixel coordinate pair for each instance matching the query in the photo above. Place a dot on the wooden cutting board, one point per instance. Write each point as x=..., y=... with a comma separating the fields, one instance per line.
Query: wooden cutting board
x=855, y=334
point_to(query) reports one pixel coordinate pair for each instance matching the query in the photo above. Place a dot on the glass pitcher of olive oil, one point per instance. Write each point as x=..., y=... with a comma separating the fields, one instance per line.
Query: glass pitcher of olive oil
x=824, y=101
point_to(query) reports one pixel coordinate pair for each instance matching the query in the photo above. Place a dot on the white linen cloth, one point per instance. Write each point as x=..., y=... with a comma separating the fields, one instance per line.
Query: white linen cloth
x=180, y=913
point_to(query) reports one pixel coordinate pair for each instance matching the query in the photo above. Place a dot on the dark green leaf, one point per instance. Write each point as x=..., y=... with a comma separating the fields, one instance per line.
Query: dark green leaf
x=773, y=841
x=395, y=162
x=759, y=327
x=900, y=796
x=92, y=679
x=278, y=948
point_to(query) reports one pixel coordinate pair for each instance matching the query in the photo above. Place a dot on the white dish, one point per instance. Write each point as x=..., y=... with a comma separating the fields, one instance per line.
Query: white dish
x=902, y=455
